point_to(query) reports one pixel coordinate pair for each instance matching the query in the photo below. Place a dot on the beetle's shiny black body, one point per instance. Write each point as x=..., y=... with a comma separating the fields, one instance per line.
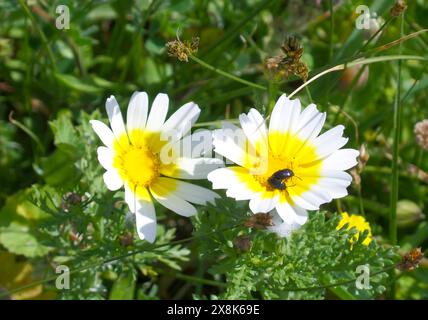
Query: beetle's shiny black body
x=283, y=174
x=278, y=179
x=277, y=184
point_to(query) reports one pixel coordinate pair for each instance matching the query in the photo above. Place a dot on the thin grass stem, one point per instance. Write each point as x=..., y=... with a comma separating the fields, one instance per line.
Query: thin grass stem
x=226, y=74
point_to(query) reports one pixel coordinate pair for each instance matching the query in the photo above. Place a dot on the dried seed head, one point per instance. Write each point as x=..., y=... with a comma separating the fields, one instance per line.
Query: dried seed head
x=421, y=133
x=71, y=199
x=398, y=8
x=273, y=63
x=411, y=260
x=259, y=221
x=302, y=70
x=194, y=44
x=289, y=63
x=242, y=243
x=292, y=48
x=126, y=239
x=182, y=50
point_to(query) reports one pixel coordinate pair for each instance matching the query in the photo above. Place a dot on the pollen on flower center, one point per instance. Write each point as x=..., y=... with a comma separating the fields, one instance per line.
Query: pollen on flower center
x=275, y=164
x=137, y=165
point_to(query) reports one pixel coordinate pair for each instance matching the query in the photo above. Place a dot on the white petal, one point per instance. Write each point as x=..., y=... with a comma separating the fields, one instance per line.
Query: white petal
x=343, y=159
x=158, y=113
x=338, y=177
x=115, y=117
x=193, y=193
x=222, y=178
x=182, y=120
x=163, y=193
x=316, y=197
x=285, y=115
x=304, y=203
x=301, y=215
x=291, y=214
x=331, y=184
x=112, y=180
x=145, y=215
x=105, y=157
x=226, y=178
x=330, y=141
x=284, y=120
x=310, y=123
x=196, y=145
x=131, y=199
x=286, y=212
x=263, y=203
x=103, y=132
x=240, y=192
x=231, y=143
x=309, y=201
x=136, y=116
x=322, y=193
x=335, y=183
x=146, y=221
x=187, y=168
x=336, y=191
x=282, y=228
x=254, y=127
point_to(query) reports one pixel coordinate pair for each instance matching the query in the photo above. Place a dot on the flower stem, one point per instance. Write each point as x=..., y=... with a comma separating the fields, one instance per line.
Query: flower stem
x=225, y=74
x=331, y=29
x=42, y=35
x=194, y=279
x=273, y=92
x=28, y=131
x=355, y=63
x=374, y=36
x=340, y=283
x=308, y=93
x=395, y=164
x=395, y=150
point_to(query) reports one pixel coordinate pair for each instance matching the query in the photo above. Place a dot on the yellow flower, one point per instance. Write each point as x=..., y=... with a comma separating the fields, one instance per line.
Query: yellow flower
x=357, y=222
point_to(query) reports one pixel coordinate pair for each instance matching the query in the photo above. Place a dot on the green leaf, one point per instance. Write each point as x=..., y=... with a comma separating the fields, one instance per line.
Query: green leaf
x=124, y=287
x=59, y=169
x=63, y=129
x=77, y=84
x=19, y=209
x=18, y=239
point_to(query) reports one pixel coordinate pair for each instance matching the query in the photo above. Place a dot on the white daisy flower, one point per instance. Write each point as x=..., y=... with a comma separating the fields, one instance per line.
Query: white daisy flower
x=282, y=228
x=288, y=166
x=134, y=157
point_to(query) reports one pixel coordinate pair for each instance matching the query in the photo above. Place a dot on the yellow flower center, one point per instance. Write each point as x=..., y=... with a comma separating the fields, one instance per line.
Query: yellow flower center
x=136, y=160
x=286, y=151
x=275, y=164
